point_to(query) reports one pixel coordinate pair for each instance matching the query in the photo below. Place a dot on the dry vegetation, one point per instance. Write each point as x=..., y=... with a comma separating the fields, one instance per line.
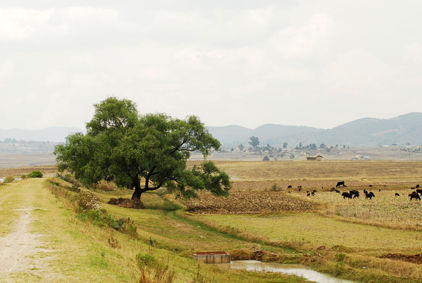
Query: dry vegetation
x=360, y=239
x=252, y=202
x=253, y=184
x=47, y=170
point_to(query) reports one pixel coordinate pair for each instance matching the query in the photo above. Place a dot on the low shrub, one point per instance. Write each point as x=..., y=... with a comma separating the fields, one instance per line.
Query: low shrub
x=153, y=271
x=125, y=225
x=88, y=201
x=145, y=260
x=9, y=179
x=105, y=186
x=36, y=174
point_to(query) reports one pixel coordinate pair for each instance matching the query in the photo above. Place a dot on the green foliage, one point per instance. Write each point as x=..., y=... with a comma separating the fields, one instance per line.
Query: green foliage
x=274, y=188
x=36, y=174
x=144, y=260
x=340, y=257
x=123, y=147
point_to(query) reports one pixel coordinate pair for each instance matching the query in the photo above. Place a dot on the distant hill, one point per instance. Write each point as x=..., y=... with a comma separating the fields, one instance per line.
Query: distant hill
x=362, y=132
x=53, y=134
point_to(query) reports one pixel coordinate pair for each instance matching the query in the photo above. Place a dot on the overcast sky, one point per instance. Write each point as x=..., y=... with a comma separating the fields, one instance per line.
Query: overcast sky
x=244, y=62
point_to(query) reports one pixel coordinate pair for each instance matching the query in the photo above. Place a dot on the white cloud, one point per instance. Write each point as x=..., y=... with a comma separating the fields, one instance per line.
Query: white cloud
x=358, y=73
x=298, y=42
x=413, y=53
x=21, y=23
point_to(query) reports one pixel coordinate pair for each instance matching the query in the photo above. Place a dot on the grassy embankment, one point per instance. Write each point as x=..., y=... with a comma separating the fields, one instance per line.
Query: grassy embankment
x=83, y=251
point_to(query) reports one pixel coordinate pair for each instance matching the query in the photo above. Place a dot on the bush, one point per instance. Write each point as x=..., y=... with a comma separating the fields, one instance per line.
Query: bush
x=9, y=179
x=105, y=186
x=36, y=174
x=153, y=271
x=145, y=260
x=274, y=188
x=125, y=225
x=88, y=201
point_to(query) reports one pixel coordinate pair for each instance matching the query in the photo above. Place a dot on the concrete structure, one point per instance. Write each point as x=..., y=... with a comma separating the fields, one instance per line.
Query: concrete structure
x=212, y=257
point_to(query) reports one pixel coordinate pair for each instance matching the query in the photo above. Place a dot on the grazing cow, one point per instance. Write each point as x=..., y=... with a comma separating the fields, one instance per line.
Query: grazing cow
x=308, y=193
x=341, y=184
x=369, y=195
x=419, y=191
x=346, y=195
x=299, y=188
x=379, y=190
x=414, y=195
x=313, y=192
x=354, y=193
x=289, y=186
x=370, y=186
x=397, y=194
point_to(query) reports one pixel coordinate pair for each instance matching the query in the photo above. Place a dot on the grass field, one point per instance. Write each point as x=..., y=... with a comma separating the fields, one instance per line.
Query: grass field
x=81, y=251
x=377, y=240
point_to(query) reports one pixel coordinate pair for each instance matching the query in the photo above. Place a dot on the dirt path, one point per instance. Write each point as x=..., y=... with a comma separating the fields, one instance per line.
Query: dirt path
x=20, y=248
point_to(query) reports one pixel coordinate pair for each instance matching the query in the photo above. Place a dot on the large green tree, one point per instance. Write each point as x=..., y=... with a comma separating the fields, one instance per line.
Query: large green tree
x=144, y=153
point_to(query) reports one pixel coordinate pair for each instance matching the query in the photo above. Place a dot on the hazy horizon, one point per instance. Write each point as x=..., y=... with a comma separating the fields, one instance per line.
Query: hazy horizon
x=228, y=125
x=319, y=64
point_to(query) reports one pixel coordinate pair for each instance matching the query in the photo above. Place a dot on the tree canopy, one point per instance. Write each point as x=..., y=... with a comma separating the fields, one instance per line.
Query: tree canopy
x=142, y=152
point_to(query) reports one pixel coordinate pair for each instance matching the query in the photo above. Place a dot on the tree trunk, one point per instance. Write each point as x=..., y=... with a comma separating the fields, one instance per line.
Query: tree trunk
x=138, y=191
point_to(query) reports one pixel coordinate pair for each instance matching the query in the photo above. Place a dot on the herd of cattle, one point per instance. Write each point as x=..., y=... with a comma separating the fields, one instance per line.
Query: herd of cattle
x=415, y=194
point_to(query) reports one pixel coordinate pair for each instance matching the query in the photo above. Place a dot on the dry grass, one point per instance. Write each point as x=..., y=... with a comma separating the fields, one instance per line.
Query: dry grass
x=326, y=173
x=47, y=170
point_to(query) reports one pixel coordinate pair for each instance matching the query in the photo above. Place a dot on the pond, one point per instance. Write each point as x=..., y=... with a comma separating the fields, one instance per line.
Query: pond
x=291, y=269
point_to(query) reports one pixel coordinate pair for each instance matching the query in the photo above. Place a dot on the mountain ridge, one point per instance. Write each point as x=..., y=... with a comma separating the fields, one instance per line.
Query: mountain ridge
x=406, y=128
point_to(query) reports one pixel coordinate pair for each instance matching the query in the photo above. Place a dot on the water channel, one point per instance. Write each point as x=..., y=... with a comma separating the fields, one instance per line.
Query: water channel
x=291, y=269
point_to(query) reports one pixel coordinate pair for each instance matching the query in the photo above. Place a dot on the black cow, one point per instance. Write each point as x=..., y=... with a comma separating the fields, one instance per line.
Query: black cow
x=346, y=195
x=313, y=192
x=417, y=186
x=414, y=195
x=419, y=191
x=289, y=186
x=397, y=194
x=341, y=184
x=369, y=195
x=354, y=193
x=299, y=188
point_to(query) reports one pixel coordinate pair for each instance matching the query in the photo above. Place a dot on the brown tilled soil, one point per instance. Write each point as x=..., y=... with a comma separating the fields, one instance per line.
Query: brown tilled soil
x=251, y=202
x=417, y=258
x=127, y=203
x=253, y=255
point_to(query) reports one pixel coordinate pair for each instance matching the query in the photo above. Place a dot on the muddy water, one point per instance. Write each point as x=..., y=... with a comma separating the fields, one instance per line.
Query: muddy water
x=292, y=269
